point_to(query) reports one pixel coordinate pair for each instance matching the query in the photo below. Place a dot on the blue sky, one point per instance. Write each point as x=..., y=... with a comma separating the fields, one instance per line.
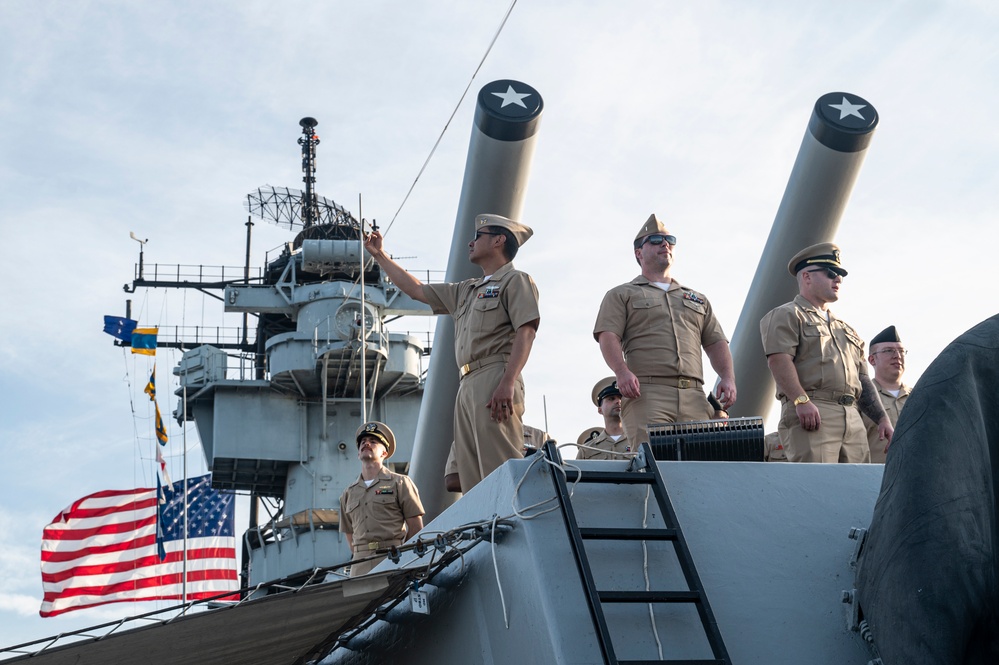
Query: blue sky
x=159, y=118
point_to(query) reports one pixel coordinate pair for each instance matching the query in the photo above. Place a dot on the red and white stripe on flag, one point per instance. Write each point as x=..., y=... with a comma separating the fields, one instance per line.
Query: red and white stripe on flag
x=102, y=549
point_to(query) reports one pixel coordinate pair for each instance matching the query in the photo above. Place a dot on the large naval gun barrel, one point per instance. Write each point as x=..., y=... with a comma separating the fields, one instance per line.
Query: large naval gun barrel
x=831, y=153
x=504, y=133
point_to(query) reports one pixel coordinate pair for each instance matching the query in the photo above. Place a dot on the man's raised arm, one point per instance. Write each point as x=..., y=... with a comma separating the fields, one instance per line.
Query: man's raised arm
x=406, y=282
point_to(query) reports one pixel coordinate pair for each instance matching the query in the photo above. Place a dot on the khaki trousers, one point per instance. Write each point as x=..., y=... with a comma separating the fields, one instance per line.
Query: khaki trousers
x=841, y=436
x=660, y=404
x=481, y=445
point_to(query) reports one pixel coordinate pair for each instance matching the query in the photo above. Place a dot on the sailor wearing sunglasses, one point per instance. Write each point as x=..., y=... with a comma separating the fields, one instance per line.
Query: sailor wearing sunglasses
x=651, y=332
x=818, y=363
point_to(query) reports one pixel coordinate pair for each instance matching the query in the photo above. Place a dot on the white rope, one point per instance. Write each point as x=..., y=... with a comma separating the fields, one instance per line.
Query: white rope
x=645, y=568
x=453, y=113
x=492, y=541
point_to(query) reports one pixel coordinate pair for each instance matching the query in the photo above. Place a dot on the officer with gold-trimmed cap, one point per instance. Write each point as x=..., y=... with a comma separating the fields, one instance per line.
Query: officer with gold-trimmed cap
x=817, y=362
x=381, y=509
x=887, y=357
x=822, y=255
x=651, y=332
x=496, y=319
x=610, y=442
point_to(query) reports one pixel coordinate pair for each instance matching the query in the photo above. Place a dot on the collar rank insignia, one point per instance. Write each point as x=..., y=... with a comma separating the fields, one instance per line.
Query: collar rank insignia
x=693, y=297
x=492, y=291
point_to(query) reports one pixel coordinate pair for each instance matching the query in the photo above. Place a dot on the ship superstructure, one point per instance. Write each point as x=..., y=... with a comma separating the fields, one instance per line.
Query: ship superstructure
x=280, y=425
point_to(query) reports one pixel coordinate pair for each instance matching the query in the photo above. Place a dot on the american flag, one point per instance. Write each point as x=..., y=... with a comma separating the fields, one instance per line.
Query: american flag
x=103, y=548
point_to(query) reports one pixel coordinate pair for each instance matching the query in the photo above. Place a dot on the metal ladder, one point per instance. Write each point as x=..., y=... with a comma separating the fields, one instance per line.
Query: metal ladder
x=642, y=470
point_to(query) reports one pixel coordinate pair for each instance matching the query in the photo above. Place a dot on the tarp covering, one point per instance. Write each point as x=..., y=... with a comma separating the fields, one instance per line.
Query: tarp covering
x=283, y=628
x=927, y=578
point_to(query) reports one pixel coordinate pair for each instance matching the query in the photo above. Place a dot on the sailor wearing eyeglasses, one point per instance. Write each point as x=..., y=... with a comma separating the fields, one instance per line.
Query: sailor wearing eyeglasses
x=888, y=360
x=817, y=361
x=651, y=332
x=495, y=320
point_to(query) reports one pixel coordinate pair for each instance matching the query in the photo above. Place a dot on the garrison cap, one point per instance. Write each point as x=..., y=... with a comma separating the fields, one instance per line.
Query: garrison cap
x=379, y=431
x=823, y=255
x=887, y=335
x=651, y=225
x=521, y=232
x=604, y=388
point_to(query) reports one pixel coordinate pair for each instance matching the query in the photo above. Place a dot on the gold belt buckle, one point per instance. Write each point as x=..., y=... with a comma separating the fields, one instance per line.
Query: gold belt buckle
x=465, y=369
x=683, y=382
x=372, y=546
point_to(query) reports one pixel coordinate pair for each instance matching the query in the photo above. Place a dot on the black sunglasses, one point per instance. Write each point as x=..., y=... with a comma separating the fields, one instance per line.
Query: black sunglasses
x=658, y=239
x=830, y=273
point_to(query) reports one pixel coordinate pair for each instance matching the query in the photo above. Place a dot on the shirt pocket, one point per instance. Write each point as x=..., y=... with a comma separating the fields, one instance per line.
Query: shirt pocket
x=813, y=330
x=486, y=314
x=695, y=306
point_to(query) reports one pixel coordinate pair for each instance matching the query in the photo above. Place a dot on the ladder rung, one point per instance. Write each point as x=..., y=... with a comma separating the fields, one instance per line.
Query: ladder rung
x=649, y=596
x=627, y=534
x=615, y=477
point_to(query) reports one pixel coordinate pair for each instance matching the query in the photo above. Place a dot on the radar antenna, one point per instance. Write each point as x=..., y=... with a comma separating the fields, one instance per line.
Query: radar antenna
x=316, y=216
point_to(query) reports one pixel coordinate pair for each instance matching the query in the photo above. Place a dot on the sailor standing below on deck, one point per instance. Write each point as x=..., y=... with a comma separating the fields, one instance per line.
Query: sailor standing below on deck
x=609, y=442
x=887, y=357
x=495, y=319
x=651, y=332
x=381, y=509
x=818, y=364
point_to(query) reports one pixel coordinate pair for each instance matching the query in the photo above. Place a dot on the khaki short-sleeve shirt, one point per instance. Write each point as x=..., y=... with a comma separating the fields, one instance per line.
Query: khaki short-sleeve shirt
x=378, y=513
x=604, y=441
x=486, y=314
x=662, y=332
x=893, y=407
x=828, y=355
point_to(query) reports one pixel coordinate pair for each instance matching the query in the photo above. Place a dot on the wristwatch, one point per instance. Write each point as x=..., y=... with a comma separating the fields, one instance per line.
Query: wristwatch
x=801, y=399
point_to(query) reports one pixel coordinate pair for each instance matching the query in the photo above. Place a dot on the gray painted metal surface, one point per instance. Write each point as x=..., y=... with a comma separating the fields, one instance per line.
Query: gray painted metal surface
x=829, y=160
x=770, y=542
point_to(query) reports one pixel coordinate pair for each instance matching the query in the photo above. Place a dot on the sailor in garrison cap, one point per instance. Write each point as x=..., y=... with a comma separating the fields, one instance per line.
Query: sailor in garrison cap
x=887, y=357
x=381, y=509
x=496, y=318
x=817, y=361
x=651, y=332
x=609, y=442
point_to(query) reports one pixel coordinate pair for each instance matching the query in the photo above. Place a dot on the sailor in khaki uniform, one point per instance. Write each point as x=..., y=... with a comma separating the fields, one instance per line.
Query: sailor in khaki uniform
x=610, y=442
x=495, y=319
x=381, y=509
x=887, y=357
x=651, y=332
x=818, y=364
x=773, y=450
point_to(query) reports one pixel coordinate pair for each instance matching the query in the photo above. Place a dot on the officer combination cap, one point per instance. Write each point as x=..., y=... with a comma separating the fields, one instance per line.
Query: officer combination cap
x=822, y=255
x=521, y=232
x=604, y=388
x=887, y=335
x=651, y=225
x=379, y=431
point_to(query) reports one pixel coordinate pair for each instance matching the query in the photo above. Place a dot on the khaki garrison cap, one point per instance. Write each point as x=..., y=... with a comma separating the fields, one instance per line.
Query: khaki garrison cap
x=379, y=431
x=651, y=225
x=604, y=388
x=823, y=255
x=521, y=232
